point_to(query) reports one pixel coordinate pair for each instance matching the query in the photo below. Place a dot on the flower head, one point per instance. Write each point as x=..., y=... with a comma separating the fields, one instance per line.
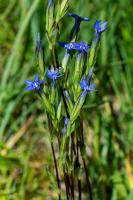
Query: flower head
x=34, y=85
x=78, y=20
x=85, y=83
x=100, y=26
x=54, y=75
x=81, y=47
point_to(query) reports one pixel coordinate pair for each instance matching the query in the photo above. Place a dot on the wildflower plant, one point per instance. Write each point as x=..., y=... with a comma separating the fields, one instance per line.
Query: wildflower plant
x=63, y=90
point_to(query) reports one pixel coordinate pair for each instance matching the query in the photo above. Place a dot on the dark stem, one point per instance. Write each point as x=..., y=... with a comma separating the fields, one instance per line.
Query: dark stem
x=79, y=181
x=82, y=145
x=54, y=157
x=79, y=189
x=66, y=185
x=87, y=179
x=72, y=173
x=56, y=169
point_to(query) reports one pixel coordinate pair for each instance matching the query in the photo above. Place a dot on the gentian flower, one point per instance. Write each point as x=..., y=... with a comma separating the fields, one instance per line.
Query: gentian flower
x=54, y=75
x=78, y=20
x=81, y=47
x=100, y=27
x=34, y=85
x=69, y=46
x=85, y=83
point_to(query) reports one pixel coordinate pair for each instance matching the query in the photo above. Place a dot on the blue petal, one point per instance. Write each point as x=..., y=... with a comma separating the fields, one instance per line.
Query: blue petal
x=60, y=75
x=36, y=78
x=49, y=74
x=103, y=27
x=91, y=87
x=83, y=84
x=41, y=81
x=29, y=88
x=99, y=26
x=29, y=83
x=55, y=72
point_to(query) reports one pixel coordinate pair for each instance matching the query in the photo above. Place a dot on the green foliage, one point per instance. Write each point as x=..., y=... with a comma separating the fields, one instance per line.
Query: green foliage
x=108, y=113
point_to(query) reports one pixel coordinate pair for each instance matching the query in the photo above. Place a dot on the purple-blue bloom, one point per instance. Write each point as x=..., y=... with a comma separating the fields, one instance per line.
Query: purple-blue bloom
x=81, y=47
x=78, y=20
x=54, y=75
x=100, y=26
x=34, y=85
x=85, y=83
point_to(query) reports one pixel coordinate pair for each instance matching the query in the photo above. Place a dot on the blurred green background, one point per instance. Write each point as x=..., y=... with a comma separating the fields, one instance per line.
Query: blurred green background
x=24, y=143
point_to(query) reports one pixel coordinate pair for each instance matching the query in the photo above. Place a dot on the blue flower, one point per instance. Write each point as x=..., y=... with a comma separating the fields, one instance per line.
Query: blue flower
x=69, y=46
x=100, y=26
x=85, y=83
x=78, y=20
x=81, y=47
x=34, y=85
x=54, y=75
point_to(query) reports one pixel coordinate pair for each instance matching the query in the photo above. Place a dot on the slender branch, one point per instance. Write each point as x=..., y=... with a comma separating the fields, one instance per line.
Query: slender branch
x=82, y=144
x=79, y=181
x=54, y=157
x=87, y=179
x=79, y=189
x=67, y=189
x=56, y=169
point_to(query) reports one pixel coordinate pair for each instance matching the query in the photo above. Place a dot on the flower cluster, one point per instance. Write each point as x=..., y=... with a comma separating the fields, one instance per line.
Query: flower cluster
x=99, y=27
x=81, y=75
x=36, y=84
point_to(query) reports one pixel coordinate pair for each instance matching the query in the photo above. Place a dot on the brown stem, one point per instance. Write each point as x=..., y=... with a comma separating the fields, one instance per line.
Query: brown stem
x=79, y=181
x=79, y=189
x=82, y=144
x=56, y=169
x=87, y=179
x=54, y=157
x=66, y=185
